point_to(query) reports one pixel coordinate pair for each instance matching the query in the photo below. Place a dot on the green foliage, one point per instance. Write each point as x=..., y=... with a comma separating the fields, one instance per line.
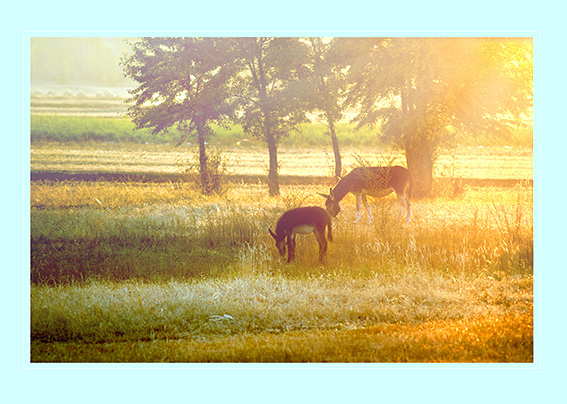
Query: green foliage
x=469, y=83
x=182, y=82
x=327, y=79
x=422, y=93
x=273, y=104
x=79, y=129
x=316, y=134
x=428, y=92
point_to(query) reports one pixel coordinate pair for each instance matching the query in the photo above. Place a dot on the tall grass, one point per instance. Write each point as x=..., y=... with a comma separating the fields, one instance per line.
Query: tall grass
x=158, y=242
x=173, y=265
x=190, y=233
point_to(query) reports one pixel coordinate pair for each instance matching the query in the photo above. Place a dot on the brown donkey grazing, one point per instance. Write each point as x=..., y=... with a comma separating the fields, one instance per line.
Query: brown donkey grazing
x=305, y=220
x=373, y=181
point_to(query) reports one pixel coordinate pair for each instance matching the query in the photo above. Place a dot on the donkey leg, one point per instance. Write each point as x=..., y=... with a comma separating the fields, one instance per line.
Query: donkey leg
x=290, y=248
x=367, y=206
x=358, y=203
x=322, y=241
x=408, y=207
x=404, y=203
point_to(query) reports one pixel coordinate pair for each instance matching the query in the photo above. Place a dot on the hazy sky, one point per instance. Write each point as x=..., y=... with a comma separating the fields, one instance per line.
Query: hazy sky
x=78, y=61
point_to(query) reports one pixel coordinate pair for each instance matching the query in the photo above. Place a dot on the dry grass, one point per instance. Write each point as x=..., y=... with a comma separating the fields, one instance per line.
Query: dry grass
x=156, y=272
x=109, y=195
x=481, y=339
x=263, y=318
x=465, y=162
x=260, y=302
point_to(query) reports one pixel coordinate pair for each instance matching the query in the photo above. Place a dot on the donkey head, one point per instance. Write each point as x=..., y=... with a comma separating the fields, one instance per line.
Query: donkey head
x=331, y=204
x=280, y=243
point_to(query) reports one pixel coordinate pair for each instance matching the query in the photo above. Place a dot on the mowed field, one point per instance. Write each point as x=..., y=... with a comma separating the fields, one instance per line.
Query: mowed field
x=498, y=162
x=131, y=270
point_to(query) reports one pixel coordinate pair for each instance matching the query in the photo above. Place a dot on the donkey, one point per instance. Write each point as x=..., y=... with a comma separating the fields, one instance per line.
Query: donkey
x=373, y=181
x=304, y=220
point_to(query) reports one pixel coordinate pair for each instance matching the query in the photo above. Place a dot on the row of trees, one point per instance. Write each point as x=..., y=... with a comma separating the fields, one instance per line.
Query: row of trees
x=423, y=92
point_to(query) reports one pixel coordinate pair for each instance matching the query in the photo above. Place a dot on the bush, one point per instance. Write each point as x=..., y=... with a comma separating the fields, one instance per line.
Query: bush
x=218, y=171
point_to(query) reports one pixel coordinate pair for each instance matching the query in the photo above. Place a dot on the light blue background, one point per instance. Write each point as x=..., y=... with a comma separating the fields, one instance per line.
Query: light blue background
x=227, y=383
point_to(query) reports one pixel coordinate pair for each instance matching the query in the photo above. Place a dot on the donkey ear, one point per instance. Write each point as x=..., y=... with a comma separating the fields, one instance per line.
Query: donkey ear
x=331, y=193
x=323, y=195
x=272, y=233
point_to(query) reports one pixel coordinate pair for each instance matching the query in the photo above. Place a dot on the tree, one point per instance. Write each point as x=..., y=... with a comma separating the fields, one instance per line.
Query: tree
x=427, y=91
x=327, y=88
x=183, y=82
x=274, y=102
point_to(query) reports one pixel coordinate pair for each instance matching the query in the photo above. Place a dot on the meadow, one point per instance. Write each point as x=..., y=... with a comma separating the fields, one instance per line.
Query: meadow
x=156, y=272
x=144, y=268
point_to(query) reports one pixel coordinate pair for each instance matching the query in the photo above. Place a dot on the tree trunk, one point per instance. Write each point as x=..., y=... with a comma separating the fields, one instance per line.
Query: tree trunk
x=420, y=159
x=273, y=180
x=203, y=160
x=269, y=125
x=335, y=141
x=419, y=149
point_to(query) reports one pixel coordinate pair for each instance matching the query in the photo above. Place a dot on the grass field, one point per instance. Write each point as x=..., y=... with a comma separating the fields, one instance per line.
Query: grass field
x=131, y=270
x=117, y=128
x=155, y=272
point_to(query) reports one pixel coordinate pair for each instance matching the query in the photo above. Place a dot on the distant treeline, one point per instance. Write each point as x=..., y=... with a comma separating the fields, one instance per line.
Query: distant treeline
x=79, y=129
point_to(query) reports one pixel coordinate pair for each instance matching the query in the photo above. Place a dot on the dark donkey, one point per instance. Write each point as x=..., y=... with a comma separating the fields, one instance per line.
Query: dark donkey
x=373, y=181
x=305, y=220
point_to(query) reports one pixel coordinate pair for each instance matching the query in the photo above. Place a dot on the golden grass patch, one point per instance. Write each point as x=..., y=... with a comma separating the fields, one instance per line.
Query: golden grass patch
x=507, y=339
x=156, y=272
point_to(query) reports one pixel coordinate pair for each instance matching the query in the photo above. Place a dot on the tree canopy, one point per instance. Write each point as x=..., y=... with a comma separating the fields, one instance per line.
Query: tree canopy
x=274, y=101
x=327, y=89
x=426, y=92
x=183, y=82
x=422, y=93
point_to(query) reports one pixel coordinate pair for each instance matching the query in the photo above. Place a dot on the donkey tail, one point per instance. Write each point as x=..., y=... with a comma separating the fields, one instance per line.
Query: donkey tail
x=410, y=188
